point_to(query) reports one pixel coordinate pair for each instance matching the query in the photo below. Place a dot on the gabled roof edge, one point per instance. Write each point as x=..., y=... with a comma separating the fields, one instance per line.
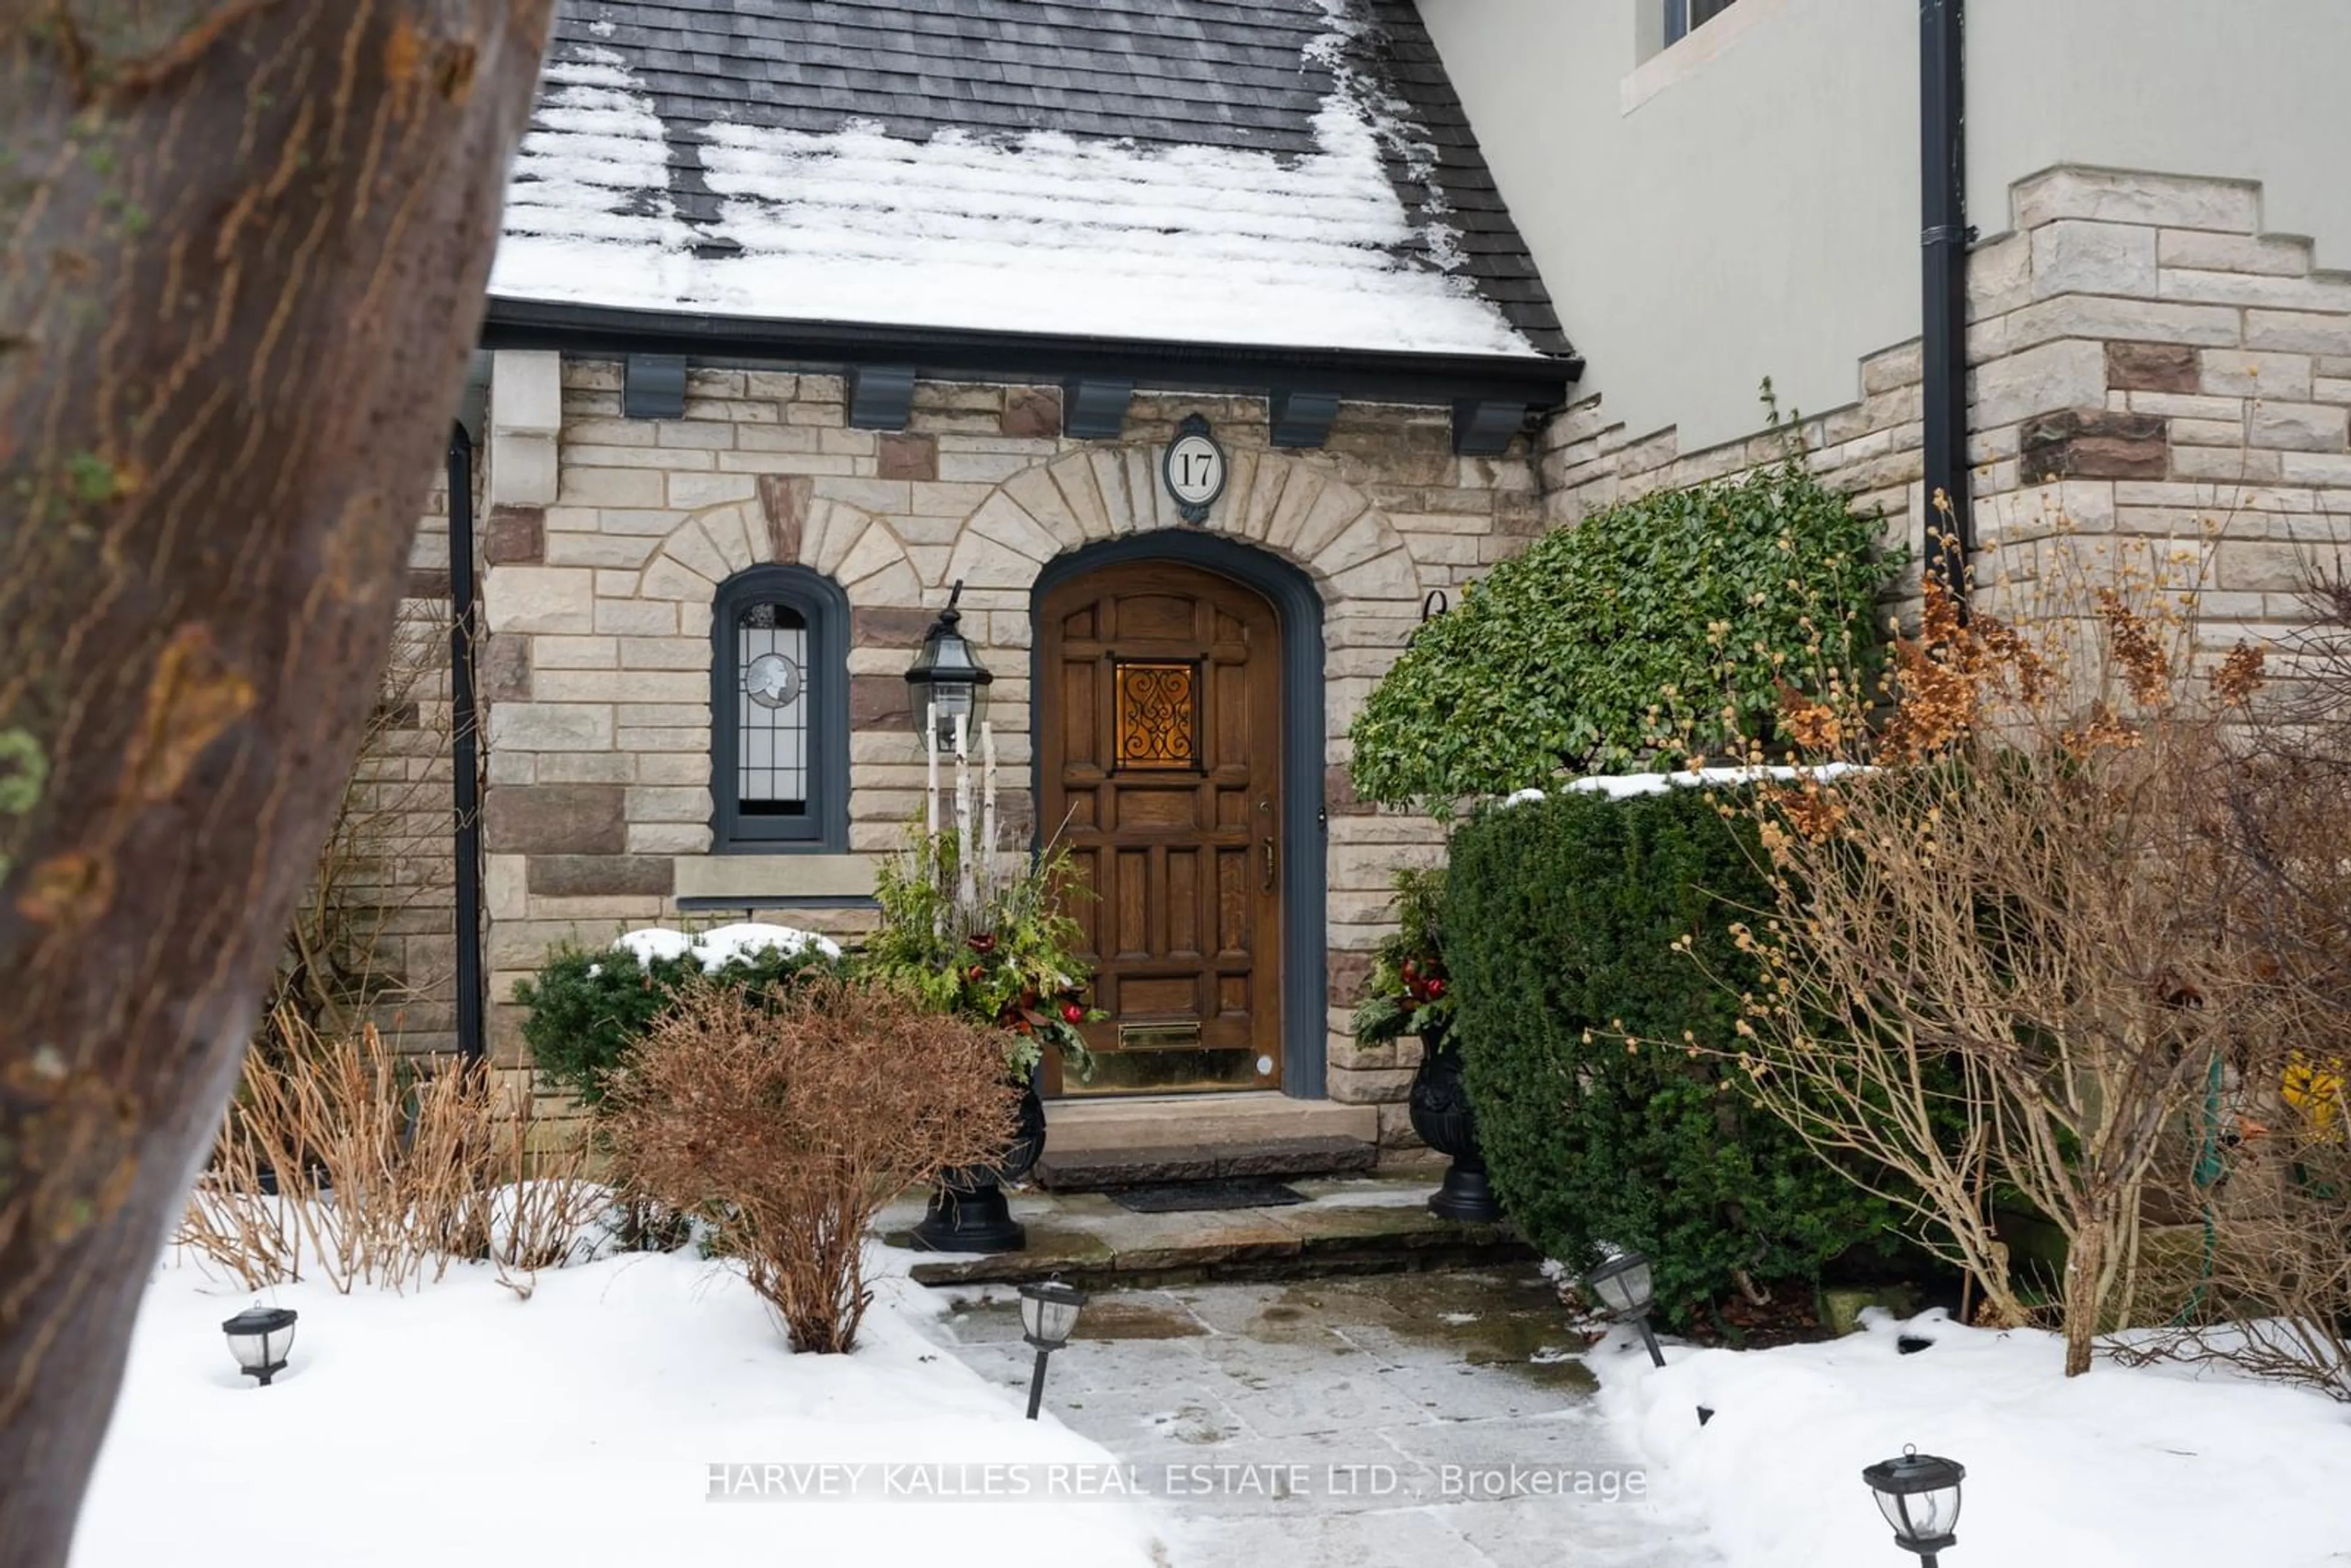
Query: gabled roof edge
x=1540, y=382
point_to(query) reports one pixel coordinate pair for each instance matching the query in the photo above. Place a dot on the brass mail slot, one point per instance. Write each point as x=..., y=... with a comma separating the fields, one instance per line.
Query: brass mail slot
x=1158, y=1036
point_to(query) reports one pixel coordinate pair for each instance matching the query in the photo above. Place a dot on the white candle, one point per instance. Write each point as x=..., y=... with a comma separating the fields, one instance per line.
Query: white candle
x=987, y=800
x=966, y=894
x=931, y=773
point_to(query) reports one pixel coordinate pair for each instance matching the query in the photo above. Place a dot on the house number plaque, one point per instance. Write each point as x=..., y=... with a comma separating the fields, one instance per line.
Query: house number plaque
x=1193, y=469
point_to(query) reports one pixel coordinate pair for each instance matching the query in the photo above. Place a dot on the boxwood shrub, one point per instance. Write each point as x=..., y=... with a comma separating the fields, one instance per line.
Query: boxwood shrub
x=588, y=1006
x=1559, y=919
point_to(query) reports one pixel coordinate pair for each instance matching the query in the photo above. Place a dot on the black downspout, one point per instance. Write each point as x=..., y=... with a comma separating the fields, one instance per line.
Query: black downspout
x=465, y=734
x=1942, y=143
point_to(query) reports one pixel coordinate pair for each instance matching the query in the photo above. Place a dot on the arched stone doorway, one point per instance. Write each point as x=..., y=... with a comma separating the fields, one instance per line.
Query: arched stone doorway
x=1197, y=808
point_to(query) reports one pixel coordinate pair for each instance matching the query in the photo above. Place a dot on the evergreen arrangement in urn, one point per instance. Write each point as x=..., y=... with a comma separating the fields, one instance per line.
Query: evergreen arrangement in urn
x=998, y=946
x=1410, y=990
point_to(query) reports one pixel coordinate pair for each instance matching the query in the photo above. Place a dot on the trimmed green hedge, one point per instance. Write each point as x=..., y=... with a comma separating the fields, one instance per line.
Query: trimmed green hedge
x=1559, y=919
x=588, y=1006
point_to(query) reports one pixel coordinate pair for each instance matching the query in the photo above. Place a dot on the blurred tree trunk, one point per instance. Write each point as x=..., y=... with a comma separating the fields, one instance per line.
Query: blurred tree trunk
x=243, y=246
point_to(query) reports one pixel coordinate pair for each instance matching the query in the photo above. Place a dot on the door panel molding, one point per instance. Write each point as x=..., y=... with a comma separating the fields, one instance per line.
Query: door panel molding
x=1298, y=609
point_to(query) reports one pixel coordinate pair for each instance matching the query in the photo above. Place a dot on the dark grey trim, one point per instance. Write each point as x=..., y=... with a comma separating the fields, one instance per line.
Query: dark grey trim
x=947, y=353
x=881, y=396
x=1943, y=335
x=1300, y=418
x=1095, y=409
x=1305, y=969
x=653, y=386
x=1484, y=429
x=825, y=608
x=1682, y=16
x=464, y=749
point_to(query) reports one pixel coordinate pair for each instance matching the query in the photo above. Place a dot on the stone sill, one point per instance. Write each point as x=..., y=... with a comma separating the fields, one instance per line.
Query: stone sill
x=758, y=878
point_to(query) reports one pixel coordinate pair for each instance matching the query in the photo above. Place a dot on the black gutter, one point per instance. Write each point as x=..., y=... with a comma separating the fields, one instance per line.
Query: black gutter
x=463, y=747
x=957, y=354
x=1942, y=145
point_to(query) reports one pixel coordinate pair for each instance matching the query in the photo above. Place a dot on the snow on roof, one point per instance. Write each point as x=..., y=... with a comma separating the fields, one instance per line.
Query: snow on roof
x=1045, y=232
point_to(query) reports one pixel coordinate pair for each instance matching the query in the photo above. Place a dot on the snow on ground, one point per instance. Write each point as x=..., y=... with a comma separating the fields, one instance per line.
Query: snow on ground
x=461, y=1425
x=2149, y=1467
x=1047, y=233
x=1409, y=1194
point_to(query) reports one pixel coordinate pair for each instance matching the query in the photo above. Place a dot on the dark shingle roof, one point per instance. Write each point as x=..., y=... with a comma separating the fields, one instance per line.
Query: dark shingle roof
x=1235, y=75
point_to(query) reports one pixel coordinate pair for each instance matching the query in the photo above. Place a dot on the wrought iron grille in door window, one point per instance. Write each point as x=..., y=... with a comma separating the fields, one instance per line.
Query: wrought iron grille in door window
x=771, y=747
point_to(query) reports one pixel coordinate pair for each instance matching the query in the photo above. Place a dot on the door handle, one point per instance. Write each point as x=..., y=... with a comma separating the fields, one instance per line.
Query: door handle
x=1273, y=864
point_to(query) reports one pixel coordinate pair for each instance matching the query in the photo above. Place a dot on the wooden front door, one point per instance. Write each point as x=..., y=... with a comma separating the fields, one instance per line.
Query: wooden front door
x=1159, y=736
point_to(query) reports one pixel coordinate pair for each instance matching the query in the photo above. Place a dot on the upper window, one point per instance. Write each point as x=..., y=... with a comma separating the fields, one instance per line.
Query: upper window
x=1681, y=15
x=779, y=711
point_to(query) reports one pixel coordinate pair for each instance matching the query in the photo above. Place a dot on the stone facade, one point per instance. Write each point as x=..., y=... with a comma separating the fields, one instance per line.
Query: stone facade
x=2144, y=363
x=596, y=666
x=393, y=890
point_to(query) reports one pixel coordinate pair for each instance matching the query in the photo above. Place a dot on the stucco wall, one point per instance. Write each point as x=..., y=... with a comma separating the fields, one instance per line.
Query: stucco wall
x=2249, y=89
x=1745, y=203
x=596, y=672
x=1755, y=213
x=2145, y=366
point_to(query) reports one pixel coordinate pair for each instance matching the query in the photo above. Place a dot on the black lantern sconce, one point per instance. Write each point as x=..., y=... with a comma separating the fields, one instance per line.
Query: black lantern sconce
x=947, y=679
x=260, y=1337
x=1049, y=1314
x=1920, y=1496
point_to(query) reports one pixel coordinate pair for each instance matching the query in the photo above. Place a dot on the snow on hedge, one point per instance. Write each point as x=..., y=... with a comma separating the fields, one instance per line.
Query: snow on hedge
x=460, y=1426
x=720, y=944
x=1626, y=785
x=1046, y=233
x=2155, y=1468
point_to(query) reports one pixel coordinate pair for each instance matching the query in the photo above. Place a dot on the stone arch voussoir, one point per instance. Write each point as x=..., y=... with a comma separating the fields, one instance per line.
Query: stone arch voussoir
x=1294, y=507
x=789, y=524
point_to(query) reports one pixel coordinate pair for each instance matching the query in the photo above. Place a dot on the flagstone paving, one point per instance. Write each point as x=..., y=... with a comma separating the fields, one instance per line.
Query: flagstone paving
x=1385, y=1421
x=1348, y=1225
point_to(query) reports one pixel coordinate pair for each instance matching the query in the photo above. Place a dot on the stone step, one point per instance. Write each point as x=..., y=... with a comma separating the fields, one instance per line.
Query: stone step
x=1112, y=1142
x=1132, y=1120
x=1091, y=1170
x=1356, y=1226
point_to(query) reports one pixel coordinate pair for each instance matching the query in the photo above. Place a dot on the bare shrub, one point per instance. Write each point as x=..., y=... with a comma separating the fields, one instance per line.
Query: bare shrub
x=787, y=1126
x=341, y=1159
x=2268, y=1289
x=2265, y=1173
x=1996, y=959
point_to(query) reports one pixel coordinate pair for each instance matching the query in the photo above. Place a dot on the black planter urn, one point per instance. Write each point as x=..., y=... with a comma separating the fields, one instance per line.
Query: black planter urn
x=1441, y=1116
x=968, y=1213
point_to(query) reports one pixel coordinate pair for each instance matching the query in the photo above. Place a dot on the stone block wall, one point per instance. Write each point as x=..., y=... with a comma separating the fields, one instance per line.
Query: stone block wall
x=597, y=608
x=395, y=882
x=1871, y=447
x=2146, y=363
x=2151, y=366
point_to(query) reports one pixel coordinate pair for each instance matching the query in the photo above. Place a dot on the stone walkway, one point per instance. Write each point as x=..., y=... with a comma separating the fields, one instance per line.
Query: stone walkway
x=1369, y=1422
x=1348, y=1225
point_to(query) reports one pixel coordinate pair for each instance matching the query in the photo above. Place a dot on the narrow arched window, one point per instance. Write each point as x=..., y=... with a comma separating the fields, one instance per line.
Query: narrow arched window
x=779, y=711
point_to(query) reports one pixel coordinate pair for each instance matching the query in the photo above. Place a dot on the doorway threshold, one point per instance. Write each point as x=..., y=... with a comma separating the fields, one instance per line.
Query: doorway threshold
x=1095, y=1143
